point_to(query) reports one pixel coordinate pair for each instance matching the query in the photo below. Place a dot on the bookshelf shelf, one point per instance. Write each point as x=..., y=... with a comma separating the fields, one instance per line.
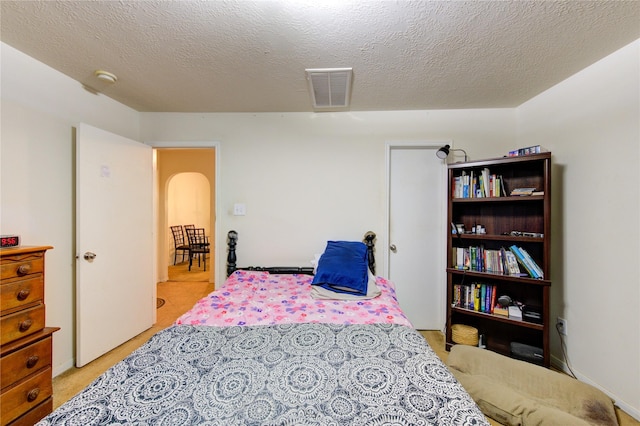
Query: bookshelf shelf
x=505, y=238
x=514, y=322
x=478, y=260
x=488, y=276
x=518, y=199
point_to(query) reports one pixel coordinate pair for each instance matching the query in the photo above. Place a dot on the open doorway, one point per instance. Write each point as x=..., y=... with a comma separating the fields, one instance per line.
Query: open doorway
x=188, y=204
x=186, y=196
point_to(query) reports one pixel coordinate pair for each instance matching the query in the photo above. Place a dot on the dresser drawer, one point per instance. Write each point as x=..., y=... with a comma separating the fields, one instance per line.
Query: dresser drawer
x=19, y=399
x=18, y=365
x=22, y=323
x=22, y=265
x=35, y=415
x=22, y=293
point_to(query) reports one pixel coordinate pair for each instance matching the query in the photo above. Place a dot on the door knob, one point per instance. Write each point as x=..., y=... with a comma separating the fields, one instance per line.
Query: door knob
x=89, y=256
x=393, y=248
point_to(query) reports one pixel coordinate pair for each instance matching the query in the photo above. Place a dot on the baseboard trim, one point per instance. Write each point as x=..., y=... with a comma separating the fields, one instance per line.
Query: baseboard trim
x=618, y=402
x=59, y=369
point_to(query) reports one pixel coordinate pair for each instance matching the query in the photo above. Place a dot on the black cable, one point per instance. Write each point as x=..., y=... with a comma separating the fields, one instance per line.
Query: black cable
x=564, y=353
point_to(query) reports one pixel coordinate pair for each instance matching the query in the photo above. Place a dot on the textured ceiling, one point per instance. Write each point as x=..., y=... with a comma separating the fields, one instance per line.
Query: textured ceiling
x=250, y=56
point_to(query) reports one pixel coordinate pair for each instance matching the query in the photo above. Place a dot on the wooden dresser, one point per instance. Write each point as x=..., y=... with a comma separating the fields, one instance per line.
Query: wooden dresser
x=25, y=351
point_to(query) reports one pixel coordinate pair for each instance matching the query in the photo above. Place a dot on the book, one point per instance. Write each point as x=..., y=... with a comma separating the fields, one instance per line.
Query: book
x=497, y=190
x=462, y=185
x=487, y=181
x=530, y=150
x=504, y=192
x=459, y=262
x=499, y=310
x=487, y=299
x=532, y=262
x=492, y=305
x=522, y=191
x=523, y=261
x=457, y=296
x=512, y=262
x=515, y=312
x=473, y=182
x=468, y=297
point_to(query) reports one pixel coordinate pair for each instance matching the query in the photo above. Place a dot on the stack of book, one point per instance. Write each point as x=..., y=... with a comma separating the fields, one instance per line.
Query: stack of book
x=501, y=310
x=476, y=297
x=536, y=149
x=477, y=184
x=477, y=258
x=525, y=191
x=527, y=262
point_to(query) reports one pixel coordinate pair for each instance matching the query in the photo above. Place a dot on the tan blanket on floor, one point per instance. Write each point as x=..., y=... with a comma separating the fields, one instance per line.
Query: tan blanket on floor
x=519, y=393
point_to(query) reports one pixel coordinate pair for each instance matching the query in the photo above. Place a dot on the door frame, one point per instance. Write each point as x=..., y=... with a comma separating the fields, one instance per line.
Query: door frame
x=218, y=278
x=441, y=237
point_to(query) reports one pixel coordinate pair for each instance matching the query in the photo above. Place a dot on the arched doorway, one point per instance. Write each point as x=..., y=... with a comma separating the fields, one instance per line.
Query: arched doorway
x=186, y=180
x=188, y=203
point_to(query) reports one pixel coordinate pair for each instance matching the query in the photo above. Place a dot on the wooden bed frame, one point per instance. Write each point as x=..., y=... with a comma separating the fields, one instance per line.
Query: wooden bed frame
x=232, y=241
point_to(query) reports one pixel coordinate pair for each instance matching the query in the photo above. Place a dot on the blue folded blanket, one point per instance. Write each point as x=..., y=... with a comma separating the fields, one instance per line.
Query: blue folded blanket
x=343, y=268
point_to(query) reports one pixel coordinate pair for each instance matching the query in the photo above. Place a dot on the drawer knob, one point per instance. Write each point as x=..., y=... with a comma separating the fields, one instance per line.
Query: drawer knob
x=33, y=394
x=23, y=294
x=24, y=269
x=32, y=361
x=24, y=325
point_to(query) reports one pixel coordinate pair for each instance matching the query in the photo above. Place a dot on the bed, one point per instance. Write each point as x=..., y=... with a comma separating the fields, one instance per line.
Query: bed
x=261, y=350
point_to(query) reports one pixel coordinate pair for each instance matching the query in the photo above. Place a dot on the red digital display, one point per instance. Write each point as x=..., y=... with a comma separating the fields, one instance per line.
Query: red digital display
x=9, y=241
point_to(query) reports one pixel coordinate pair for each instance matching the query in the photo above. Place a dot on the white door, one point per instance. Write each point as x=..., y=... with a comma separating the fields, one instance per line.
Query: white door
x=115, y=292
x=416, y=239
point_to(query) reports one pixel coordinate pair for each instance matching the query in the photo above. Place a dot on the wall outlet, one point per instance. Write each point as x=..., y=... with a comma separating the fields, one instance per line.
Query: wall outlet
x=561, y=325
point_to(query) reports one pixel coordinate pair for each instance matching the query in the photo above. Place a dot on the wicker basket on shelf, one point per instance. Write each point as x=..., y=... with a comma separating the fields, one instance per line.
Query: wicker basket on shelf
x=464, y=334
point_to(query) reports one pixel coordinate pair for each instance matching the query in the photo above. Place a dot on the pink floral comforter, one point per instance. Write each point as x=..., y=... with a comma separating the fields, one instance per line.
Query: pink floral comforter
x=260, y=298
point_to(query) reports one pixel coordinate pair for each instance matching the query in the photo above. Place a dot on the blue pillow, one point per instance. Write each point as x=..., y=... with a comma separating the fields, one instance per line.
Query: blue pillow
x=343, y=268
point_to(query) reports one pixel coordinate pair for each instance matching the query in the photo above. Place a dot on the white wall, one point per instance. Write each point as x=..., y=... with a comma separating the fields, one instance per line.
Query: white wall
x=591, y=123
x=40, y=107
x=306, y=178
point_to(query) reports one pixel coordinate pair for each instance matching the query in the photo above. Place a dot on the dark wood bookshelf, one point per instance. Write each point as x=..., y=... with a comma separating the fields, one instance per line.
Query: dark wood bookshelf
x=500, y=215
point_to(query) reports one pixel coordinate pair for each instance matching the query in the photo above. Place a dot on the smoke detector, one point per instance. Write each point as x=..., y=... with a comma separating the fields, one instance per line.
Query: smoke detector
x=106, y=76
x=330, y=88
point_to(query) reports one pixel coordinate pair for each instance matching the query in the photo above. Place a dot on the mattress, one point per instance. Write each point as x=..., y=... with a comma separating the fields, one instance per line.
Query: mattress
x=261, y=298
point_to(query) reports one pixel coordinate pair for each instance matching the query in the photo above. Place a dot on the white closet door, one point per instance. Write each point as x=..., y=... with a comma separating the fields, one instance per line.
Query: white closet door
x=416, y=243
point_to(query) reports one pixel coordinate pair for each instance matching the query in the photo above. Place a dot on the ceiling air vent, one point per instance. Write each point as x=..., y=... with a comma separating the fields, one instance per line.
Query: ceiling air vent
x=330, y=87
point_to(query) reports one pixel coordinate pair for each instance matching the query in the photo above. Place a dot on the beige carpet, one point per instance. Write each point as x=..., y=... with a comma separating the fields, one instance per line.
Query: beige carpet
x=181, y=273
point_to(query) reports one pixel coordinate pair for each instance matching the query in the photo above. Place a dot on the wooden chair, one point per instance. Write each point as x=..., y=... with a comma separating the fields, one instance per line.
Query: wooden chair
x=179, y=243
x=187, y=227
x=198, y=246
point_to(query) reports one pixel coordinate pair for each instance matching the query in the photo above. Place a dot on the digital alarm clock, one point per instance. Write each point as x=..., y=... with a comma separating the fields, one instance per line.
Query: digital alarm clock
x=10, y=241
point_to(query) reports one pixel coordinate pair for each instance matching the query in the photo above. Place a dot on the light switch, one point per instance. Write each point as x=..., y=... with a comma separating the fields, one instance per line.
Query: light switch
x=239, y=209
